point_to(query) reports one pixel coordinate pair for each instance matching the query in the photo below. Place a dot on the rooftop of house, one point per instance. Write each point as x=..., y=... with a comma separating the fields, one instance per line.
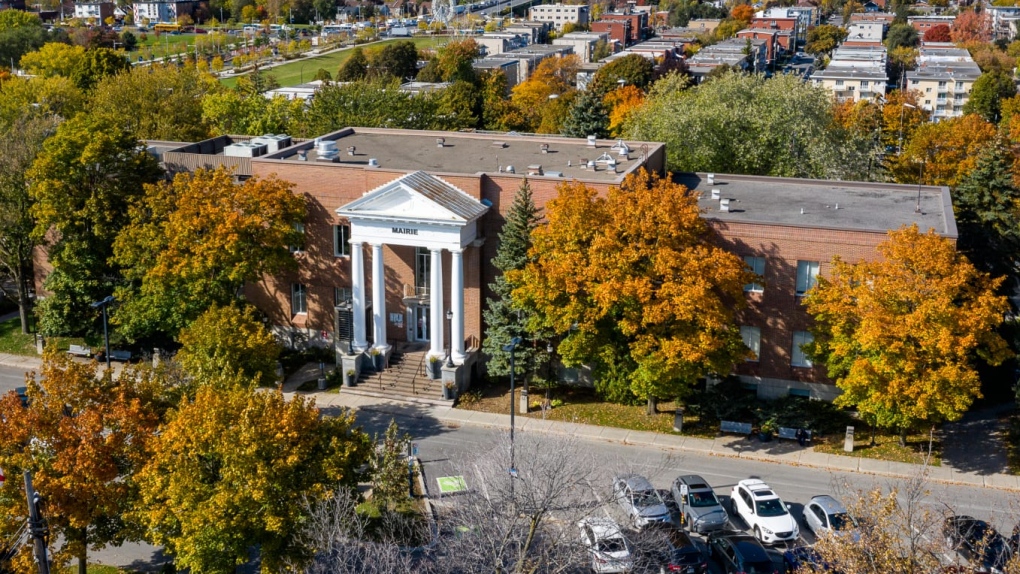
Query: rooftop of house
x=857, y=206
x=471, y=153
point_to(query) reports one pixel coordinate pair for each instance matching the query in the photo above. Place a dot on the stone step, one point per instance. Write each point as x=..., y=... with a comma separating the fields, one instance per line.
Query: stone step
x=429, y=399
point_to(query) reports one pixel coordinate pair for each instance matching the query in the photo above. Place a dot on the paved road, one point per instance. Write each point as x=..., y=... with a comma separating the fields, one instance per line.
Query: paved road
x=449, y=450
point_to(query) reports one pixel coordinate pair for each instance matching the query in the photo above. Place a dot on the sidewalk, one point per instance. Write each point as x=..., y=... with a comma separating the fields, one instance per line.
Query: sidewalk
x=781, y=452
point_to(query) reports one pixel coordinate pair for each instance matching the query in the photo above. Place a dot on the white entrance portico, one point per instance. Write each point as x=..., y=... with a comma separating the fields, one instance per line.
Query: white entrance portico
x=414, y=210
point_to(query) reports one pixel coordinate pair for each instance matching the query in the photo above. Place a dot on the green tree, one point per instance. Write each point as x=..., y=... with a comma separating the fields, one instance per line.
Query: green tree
x=20, y=33
x=637, y=286
x=98, y=63
x=226, y=345
x=46, y=97
x=193, y=243
x=900, y=335
x=354, y=68
x=389, y=469
x=601, y=50
x=369, y=104
x=633, y=69
x=451, y=63
x=166, y=102
x=460, y=105
x=824, y=39
x=987, y=94
x=398, y=60
x=987, y=204
x=82, y=182
x=130, y=40
x=20, y=143
x=54, y=59
x=901, y=36
x=504, y=319
x=588, y=116
x=233, y=468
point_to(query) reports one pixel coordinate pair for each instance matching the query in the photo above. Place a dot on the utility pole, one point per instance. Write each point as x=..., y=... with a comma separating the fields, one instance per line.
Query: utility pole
x=36, y=528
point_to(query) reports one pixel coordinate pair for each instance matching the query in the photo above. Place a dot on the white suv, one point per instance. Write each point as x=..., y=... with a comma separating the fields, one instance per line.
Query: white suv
x=764, y=512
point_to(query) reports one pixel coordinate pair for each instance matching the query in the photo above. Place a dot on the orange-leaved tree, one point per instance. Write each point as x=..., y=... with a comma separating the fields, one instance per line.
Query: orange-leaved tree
x=900, y=335
x=539, y=96
x=622, y=103
x=942, y=153
x=192, y=243
x=971, y=26
x=636, y=286
x=82, y=435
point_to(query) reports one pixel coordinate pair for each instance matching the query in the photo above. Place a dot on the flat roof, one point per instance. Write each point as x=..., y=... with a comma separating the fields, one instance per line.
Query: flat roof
x=862, y=206
x=472, y=153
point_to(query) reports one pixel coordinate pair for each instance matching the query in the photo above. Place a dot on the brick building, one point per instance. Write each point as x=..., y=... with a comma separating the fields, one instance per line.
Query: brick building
x=403, y=224
x=636, y=25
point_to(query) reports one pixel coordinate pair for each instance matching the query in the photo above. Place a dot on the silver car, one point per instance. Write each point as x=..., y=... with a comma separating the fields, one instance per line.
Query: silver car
x=824, y=514
x=699, y=508
x=639, y=500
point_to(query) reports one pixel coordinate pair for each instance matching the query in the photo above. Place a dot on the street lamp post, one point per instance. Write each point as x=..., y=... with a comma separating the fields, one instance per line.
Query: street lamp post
x=106, y=333
x=903, y=108
x=510, y=348
x=349, y=305
x=449, y=342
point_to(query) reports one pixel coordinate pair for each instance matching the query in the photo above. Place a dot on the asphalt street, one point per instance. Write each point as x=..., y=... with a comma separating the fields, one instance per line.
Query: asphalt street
x=447, y=450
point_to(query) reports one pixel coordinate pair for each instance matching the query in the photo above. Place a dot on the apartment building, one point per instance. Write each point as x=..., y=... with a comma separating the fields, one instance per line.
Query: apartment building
x=560, y=14
x=855, y=73
x=943, y=80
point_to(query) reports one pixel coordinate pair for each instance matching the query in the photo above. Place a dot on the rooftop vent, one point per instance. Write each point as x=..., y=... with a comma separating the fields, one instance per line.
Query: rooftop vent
x=244, y=149
x=440, y=142
x=510, y=169
x=802, y=211
x=711, y=179
x=500, y=145
x=621, y=148
x=302, y=155
x=554, y=174
x=715, y=194
x=724, y=204
x=326, y=149
x=372, y=162
x=544, y=148
x=534, y=169
x=592, y=141
x=351, y=150
x=591, y=165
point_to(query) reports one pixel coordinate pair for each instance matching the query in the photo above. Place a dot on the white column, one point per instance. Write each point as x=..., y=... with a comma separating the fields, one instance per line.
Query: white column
x=457, y=304
x=378, y=298
x=436, y=305
x=358, y=294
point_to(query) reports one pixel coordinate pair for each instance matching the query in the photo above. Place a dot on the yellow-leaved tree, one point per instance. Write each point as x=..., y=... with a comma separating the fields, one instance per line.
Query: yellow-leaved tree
x=636, y=286
x=900, y=335
x=234, y=468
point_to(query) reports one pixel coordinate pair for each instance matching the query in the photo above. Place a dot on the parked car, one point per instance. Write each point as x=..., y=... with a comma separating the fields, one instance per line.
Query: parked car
x=673, y=550
x=824, y=514
x=606, y=544
x=669, y=501
x=764, y=512
x=701, y=510
x=740, y=553
x=804, y=557
x=978, y=542
x=639, y=499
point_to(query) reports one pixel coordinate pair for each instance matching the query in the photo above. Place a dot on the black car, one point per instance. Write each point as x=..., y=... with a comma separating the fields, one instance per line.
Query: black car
x=740, y=553
x=804, y=557
x=670, y=549
x=978, y=542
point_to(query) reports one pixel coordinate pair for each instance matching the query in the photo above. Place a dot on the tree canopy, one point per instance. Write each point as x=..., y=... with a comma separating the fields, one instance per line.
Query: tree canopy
x=635, y=286
x=987, y=204
x=824, y=39
x=987, y=94
x=900, y=335
x=247, y=354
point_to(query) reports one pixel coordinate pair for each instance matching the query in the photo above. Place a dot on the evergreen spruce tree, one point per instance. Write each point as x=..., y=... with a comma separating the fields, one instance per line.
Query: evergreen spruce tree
x=588, y=117
x=503, y=320
x=987, y=203
x=355, y=68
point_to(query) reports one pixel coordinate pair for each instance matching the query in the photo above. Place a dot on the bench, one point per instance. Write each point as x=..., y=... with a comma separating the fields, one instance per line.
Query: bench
x=734, y=427
x=122, y=356
x=79, y=351
x=791, y=433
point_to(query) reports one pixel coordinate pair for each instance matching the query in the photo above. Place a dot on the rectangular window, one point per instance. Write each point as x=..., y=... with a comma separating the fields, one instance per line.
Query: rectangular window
x=300, y=228
x=807, y=276
x=298, y=303
x=914, y=82
x=757, y=265
x=864, y=84
x=423, y=268
x=341, y=240
x=839, y=82
x=959, y=85
x=752, y=338
x=341, y=295
x=942, y=84
x=798, y=358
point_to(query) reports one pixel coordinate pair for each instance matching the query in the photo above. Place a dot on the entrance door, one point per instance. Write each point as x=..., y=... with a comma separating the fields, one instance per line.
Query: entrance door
x=420, y=323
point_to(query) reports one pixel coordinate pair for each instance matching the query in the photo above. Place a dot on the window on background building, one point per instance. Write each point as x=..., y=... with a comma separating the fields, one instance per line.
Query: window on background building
x=959, y=85
x=839, y=82
x=756, y=264
x=298, y=301
x=422, y=268
x=798, y=358
x=300, y=228
x=807, y=276
x=341, y=295
x=752, y=338
x=864, y=84
x=341, y=240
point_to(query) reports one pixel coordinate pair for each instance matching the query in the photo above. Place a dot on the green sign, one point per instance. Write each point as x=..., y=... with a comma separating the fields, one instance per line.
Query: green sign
x=449, y=484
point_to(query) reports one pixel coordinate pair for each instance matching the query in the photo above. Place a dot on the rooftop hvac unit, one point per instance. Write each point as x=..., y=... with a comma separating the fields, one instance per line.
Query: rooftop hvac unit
x=554, y=174
x=273, y=143
x=510, y=169
x=245, y=149
x=711, y=179
x=715, y=194
x=534, y=169
x=326, y=150
x=592, y=141
x=372, y=162
x=724, y=204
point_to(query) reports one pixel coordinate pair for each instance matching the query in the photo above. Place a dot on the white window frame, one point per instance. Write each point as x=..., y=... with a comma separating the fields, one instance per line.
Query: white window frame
x=300, y=228
x=807, y=276
x=342, y=240
x=757, y=265
x=298, y=299
x=798, y=358
x=752, y=338
x=341, y=295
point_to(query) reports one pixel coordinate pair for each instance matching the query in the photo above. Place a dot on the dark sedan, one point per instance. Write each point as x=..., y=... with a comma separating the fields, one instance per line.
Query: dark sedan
x=740, y=553
x=978, y=542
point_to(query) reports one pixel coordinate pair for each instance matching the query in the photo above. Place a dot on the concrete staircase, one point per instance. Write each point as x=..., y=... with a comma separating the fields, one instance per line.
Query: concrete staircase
x=405, y=379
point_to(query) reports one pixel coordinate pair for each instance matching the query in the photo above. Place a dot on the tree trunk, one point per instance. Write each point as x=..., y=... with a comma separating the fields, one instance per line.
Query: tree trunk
x=653, y=407
x=82, y=564
x=24, y=305
x=903, y=437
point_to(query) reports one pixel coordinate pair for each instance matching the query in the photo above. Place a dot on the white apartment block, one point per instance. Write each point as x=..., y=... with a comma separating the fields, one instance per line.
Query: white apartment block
x=855, y=74
x=560, y=14
x=583, y=43
x=162, y=12
x=97, y=11
x=943, y=81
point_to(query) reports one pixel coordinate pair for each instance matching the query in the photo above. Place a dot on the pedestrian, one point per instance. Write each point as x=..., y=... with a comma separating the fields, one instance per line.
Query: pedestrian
x=801, y=437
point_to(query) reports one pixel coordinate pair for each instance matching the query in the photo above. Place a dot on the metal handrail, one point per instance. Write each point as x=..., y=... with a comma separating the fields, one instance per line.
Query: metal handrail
x=419, y=371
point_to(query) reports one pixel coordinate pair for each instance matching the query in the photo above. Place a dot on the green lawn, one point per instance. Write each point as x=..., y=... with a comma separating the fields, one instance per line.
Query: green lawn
x=12, y=341
x=297, y=72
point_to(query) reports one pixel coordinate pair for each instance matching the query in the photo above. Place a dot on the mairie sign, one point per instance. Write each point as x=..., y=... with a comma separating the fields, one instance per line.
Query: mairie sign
x=404, y=230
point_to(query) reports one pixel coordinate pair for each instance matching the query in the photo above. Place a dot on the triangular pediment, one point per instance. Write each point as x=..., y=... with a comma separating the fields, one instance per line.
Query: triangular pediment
x=416, y=196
